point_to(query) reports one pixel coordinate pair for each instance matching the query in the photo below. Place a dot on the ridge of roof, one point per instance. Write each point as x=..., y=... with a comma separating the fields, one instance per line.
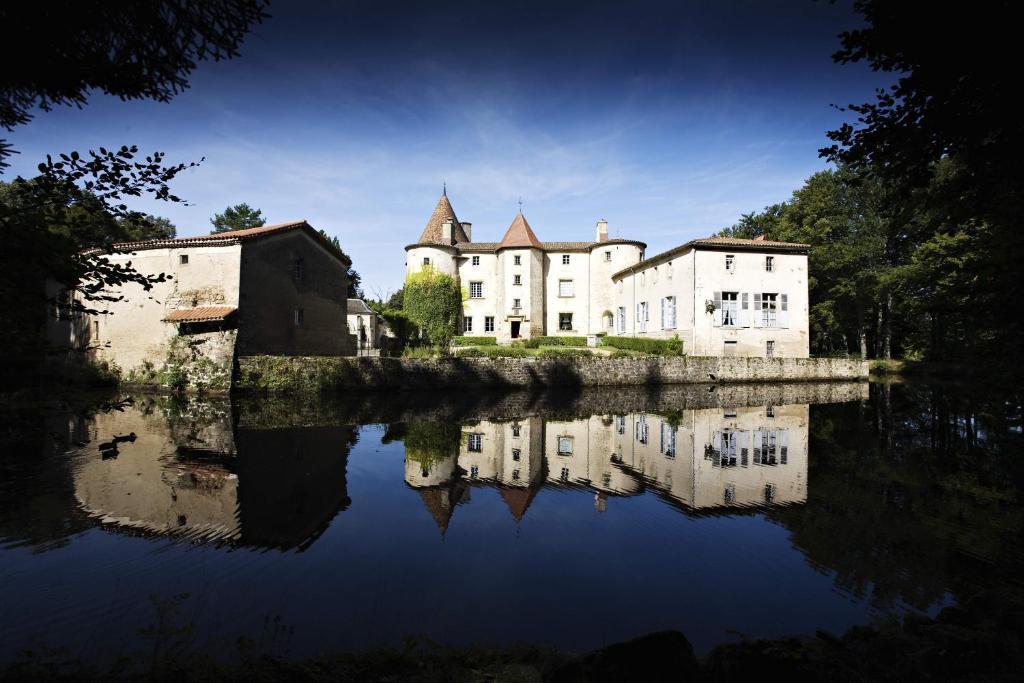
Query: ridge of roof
x=520, y=234
x=715, y=241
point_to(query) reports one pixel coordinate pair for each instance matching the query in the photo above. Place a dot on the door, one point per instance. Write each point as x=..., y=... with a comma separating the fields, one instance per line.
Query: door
x=515, y=329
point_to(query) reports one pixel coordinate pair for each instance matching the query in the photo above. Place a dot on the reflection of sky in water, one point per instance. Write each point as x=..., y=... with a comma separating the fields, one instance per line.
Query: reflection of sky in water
x=572, y=532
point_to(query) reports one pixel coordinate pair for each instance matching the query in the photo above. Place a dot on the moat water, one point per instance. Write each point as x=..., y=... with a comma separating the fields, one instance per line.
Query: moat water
x=297, y=527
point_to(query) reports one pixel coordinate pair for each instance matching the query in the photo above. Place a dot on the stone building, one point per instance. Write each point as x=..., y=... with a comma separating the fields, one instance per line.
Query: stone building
x=277, y=290
x=721, y=296
x=366, y=327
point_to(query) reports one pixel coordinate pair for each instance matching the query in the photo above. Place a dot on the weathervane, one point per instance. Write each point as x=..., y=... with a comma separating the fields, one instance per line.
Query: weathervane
x=444, y=188
x=520, y=204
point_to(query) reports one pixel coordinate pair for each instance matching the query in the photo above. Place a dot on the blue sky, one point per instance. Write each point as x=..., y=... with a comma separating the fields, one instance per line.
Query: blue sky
x=667, y=119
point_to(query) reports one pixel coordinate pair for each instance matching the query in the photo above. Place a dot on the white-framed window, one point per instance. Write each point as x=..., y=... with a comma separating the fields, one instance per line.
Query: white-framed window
x=608, y=256
x=640, y=429
x=565, y=445
x=467, y=324
x=516, y=454
x=299, y=316
x=769, y=348
x=183, y=259
x=474, y=472
x=769, y=493
x=723, y=448
x=517, y=303
x=517, y=279
x=565, y=322
x=668, y=313
x=643, y=315
x=620, y=424
x=488, y=323
x=668, y=269
x=622, y=319
x=565, y=259
x=769, y=263
x=516, y=429
x=517, y=260
x=474, y=442
x=476, y=290
x=668, y=440
x=565, y=288
x=609, y=322
x=565, y=474
x=730, y=262
x=771, y=309
x=426, y=260
x=476, y=260
x=727, y=308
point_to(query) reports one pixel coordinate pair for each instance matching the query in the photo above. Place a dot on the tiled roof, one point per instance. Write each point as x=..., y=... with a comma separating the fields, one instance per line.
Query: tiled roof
x=545, y=246
x=520, y=234
x=234, y=237
x=198, y=315
x=358, y=307
x=443, y=212
x=518, y=500
x=729, y=243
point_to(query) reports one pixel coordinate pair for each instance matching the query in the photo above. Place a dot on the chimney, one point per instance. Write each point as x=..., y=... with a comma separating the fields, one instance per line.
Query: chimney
x=468, y=229
x=446, y=232
x=602, y=230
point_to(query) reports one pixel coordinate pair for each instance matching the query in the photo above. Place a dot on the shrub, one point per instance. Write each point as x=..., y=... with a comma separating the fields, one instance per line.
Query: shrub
x=561, y=341
x=656, y=347
x=419, y=352
x=475, y=341
x=564, y=353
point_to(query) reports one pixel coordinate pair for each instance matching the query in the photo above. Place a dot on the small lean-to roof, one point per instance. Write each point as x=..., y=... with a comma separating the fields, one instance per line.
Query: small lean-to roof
x=200, y=314
x=718, y=244
x=234, y=237
x=520, y=234
x=358, y=307
x=443, y=213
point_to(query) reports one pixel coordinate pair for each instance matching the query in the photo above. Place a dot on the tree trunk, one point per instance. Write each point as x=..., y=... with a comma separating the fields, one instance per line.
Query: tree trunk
x=862, y=335
x=887, y=327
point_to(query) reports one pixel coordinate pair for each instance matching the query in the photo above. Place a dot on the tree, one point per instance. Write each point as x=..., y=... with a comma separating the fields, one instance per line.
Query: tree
x=355, y=291
x=237, y=217
x=433, y=301
x=131, y=50
x=138, y=227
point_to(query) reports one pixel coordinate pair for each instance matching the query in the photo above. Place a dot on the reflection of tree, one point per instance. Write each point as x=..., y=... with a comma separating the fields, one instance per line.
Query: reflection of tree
x=908, y=500
x=430, y=443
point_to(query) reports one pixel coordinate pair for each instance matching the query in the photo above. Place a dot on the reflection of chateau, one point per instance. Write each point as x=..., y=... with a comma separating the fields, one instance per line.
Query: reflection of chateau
x=699, y=460
x=200, y=479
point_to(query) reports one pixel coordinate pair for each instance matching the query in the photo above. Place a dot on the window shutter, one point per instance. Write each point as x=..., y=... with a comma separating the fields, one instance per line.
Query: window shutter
x=716, y=442
x=664, y=314
x=758, y=441
x=718, y=309
x=756, y=313
x=784, y=311
x=673, y=302
x=745, y=310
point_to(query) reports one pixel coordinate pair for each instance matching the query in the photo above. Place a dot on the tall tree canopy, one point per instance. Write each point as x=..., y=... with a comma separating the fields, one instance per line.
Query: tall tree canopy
x=132, y=50
x=237, y=217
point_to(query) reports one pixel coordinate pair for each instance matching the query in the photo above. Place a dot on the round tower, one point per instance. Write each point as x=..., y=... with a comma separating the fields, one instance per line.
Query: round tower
x=437, y=246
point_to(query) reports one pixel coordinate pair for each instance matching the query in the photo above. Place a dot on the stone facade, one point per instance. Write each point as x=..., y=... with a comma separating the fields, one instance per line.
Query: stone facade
x=276, y=290
x=721, y=296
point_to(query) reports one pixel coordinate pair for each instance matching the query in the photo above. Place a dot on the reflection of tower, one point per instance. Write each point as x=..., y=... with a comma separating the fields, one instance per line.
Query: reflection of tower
x=431, y=467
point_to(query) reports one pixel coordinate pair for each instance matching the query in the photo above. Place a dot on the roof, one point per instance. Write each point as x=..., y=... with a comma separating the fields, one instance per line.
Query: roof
x=717, y=243
x=520, y=234
x=198, y=315
x=443, y=213
x=358, y=307
x=466, y=247
x=235, y=237
x=518, y=500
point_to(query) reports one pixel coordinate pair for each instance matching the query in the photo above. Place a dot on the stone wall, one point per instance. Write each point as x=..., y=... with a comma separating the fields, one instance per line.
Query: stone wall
x=284, y=374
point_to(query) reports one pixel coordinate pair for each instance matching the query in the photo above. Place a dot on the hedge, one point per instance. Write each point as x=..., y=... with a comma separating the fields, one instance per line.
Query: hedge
x=658, y=347
x=493, y=352
x=474, y=341
x=537, y=342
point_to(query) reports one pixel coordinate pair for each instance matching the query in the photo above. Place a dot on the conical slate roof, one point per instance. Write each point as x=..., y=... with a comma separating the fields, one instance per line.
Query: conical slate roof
x=443, y=212
x=520, y=234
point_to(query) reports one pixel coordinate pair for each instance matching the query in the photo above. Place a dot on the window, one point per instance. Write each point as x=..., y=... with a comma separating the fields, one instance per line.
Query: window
x=622, y=319
x=668, y=313
x=729, y=349
x=769, y=263
x=730, y=308
x=565, y=259
x=96, y=328
x=641, y=429
x=609, y=322
x=730, y=262
x=474, y=471
x=769, y=411
x=517, y=279
x=489, y=323
x=515, y=475
x=297, y=268
x=766, y=447
x=642, y=316
x=517, y=303
x=668, y=269
x=565, y=322
x=565, y=445
x=769, y=349
x=475, y=442
x=565, y=474
x=668, y=440
x=467, y=324
x=515, y=431
x=426, y=260
x=476, y=290
x=730, y=494
x=620, y=424
x=766, y=309
x=565, y=288
x=476, y=260
x=183, y=259
x=608, y=256
x=723, y=449
x=300, y=317
x=769, y=493
x=517, y=260
x=516, y=454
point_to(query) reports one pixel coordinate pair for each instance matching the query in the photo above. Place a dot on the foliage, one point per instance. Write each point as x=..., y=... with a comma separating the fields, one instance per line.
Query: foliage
x=433, y=300
x=355, y=291
x=139, y=227
x=657, y=347
x=237, y=217
x=430, y=442
x=537, y=342
x=131, y=50
x=474, y=341
x=494, y=352
x=557, y=352
x=419, y=352
x=398, y=322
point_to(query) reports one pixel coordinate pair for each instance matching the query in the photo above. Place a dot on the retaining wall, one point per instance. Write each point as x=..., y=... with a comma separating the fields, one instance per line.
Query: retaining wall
x=289, y=374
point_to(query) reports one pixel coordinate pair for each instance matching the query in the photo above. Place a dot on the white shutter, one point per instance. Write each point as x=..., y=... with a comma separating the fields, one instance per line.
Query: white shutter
x=783, y=310
x=783, y=446
x=718, y=309
x=664, y=315
x=638, y=312
x=672, y=301
x=716, y=442
x=745, y=310
x=756, y=313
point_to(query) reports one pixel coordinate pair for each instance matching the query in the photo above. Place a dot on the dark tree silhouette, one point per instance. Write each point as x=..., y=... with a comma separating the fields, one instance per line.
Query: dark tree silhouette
x=132, y=50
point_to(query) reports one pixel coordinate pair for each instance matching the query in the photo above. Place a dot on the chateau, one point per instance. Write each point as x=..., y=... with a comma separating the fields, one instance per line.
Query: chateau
x=722, y=296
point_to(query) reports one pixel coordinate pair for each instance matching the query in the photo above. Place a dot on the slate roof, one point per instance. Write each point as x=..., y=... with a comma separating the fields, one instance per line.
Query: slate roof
x=358, y=307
